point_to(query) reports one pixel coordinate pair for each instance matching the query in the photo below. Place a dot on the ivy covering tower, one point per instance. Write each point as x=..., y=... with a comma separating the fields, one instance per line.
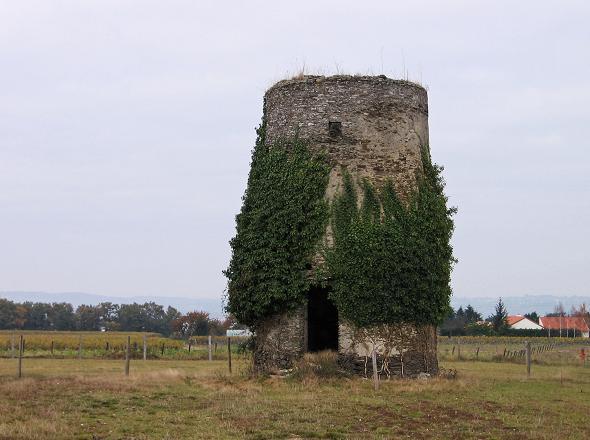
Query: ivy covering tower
x=343, y=239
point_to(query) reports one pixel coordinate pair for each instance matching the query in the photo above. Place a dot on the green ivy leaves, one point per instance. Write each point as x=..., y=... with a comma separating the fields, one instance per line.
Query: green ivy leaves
x=283, y=218
x=391, y=263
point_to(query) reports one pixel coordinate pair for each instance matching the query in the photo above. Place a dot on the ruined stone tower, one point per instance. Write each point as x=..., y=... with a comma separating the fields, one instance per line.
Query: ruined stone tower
x=374, y=127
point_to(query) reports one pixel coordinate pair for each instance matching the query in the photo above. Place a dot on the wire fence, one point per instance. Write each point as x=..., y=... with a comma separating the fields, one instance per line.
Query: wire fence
x=549, y=351
x=102, y=345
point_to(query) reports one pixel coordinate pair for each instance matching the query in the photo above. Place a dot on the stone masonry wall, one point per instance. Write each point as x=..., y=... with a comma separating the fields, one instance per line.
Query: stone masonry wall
x=384, y=123
x=279, y=340
x=402, y=350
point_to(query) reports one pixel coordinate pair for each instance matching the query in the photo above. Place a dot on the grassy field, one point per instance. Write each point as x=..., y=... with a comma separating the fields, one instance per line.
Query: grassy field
x=92, y=399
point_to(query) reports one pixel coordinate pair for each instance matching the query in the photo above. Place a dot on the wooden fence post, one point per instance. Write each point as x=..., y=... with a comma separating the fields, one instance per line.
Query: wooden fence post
x=51, y=348
x=21, y=346
x=477, y=353
x=210, y=353
x=144, y=347
x=229, y=353
x=162, y=349
x=127, y=356
x=528, y=358
x=375, y=374
x=189, y=345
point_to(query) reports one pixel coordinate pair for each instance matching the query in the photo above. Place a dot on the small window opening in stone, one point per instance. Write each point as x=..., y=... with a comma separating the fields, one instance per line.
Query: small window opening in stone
x=335, y=129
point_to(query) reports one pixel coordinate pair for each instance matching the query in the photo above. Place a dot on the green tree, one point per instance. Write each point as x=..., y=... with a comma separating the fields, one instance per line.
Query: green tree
x=108, y=315
x=37, y=316
x=149, y=317
x=22, y=315
x=471, y=316
x=131, y=317
x=454, y=324
x=87, y=318
x=62, y=317
x=499, y=318
x=154, y=317
x=460, y=313
x=532, y=316
x=7, y=314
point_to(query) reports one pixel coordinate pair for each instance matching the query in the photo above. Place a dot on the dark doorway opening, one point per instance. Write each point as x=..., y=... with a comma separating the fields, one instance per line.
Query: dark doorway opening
x=322, y=321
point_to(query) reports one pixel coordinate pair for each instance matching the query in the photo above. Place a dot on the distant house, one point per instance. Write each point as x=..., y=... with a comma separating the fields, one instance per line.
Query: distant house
x=563, y=325
x=519, y=322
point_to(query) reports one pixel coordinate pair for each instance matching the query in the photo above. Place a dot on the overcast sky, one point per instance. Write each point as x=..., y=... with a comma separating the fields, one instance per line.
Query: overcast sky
x=126, y=129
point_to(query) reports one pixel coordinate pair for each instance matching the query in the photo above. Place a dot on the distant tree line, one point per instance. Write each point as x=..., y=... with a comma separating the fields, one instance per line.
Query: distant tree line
x=106, y=316
x=468, y=322
x=457, y=321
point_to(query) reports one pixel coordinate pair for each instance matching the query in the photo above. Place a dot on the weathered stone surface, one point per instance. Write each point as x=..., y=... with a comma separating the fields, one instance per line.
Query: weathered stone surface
x=280, y=340
x=414, y=354
x=375, y=127
x=414, y=363
x=384, y=123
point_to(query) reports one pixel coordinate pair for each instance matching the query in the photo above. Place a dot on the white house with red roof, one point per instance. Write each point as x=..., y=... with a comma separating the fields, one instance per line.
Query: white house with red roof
x=519, y=322
x=562, y=325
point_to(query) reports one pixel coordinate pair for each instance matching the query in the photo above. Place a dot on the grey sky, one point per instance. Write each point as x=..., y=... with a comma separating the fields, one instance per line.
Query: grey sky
x=126, y=129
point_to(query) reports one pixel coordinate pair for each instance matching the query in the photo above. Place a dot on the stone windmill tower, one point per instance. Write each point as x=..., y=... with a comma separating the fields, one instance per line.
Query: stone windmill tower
x=375, y=128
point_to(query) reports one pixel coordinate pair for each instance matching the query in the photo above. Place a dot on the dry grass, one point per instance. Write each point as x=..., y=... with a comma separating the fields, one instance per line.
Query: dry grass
x=314, y=368
x=89, y=399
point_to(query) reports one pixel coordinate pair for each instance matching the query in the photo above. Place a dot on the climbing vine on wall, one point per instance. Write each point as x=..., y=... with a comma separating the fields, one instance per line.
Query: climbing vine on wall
x=282, y=221
x=391, y=260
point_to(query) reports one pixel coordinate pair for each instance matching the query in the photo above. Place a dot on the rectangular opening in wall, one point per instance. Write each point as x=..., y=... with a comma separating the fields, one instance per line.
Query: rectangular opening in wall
x=322, y=321
x=335, y=129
